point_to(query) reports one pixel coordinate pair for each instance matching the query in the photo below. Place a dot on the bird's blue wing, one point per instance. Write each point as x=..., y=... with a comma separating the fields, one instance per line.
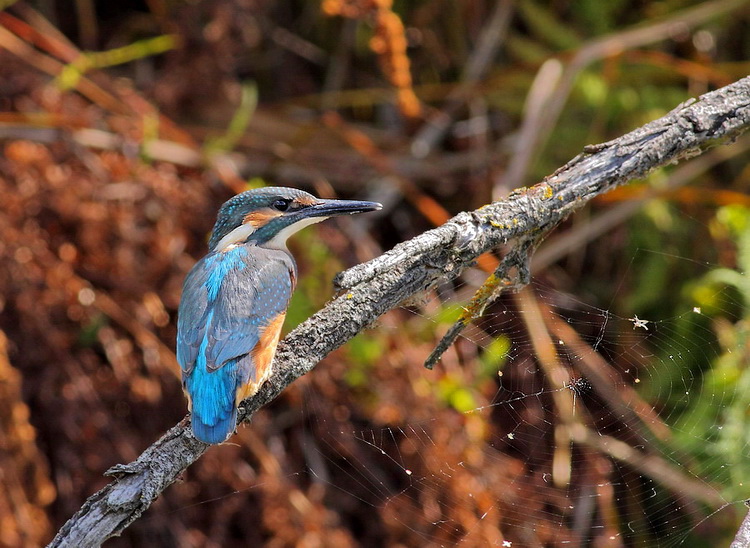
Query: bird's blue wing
x=228, y=299
x=191, y=318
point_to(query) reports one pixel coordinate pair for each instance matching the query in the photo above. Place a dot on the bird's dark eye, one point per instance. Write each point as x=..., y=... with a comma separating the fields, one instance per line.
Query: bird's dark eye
x=281, y=204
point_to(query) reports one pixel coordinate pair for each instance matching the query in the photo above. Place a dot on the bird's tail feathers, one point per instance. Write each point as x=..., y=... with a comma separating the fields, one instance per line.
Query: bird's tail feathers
x=213, y=413
x=217, y=432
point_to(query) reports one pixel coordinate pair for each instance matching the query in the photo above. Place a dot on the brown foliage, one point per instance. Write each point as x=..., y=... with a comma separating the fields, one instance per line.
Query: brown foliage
x=27, y=487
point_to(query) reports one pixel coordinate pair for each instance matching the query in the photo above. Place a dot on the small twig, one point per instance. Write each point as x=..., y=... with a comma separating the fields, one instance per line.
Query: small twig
x=501, y=280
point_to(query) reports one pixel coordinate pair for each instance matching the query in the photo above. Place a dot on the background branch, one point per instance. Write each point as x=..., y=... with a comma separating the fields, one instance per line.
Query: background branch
x=371, y=289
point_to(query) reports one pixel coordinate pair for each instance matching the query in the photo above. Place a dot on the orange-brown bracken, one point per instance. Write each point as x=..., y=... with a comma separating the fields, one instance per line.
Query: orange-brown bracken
x=389, y=43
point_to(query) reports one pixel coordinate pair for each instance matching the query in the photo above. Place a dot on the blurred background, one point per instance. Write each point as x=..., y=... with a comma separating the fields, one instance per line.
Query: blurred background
x=558, y=419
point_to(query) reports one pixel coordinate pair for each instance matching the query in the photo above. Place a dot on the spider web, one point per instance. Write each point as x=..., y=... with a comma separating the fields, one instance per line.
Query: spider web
x=553, y=421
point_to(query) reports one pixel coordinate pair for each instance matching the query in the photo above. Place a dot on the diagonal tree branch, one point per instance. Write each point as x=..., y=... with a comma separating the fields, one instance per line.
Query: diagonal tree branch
x=371, y=289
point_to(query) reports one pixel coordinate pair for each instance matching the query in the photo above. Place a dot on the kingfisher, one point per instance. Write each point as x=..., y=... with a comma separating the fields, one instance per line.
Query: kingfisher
x=234, y=301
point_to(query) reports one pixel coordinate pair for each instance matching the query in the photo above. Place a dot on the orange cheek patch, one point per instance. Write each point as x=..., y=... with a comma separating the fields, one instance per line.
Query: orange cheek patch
x=304, y=200
x=260, y=218
x=262, y=356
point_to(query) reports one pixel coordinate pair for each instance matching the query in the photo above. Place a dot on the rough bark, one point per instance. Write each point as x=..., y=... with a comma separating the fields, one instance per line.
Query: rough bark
x=371, y=289
x=742, y=539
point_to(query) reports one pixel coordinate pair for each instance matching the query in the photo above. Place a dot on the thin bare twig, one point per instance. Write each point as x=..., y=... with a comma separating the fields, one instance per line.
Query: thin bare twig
x=512, y=272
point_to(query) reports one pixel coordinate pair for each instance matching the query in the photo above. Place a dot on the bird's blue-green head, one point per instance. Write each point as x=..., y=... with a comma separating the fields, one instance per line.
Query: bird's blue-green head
x=268, y=216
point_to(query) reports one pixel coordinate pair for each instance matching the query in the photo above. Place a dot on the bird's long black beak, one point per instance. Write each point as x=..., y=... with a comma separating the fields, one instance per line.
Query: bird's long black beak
x=329, y=208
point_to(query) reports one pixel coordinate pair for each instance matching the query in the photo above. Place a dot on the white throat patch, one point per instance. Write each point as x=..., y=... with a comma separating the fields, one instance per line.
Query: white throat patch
x=236, y=236
x=279, y=241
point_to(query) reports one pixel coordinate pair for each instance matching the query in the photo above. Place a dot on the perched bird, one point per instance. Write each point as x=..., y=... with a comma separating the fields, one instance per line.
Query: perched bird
x=234, y=301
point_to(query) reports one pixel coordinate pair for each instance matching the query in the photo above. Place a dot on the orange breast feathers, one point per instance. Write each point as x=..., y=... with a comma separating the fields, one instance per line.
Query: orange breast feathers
x=262, y=356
